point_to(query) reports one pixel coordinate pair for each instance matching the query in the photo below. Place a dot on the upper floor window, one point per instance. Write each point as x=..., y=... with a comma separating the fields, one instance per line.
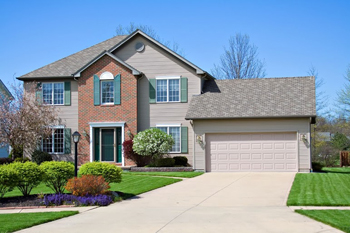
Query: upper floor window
x=53, y=93
x=168, y=89
x=107, y=92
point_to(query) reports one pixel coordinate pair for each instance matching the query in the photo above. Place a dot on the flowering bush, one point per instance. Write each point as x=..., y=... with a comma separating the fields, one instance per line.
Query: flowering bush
x=152, y=142
x=57, y=174
x=61, y=199
x=110, y=172
x=87, y=185
x=129, y=153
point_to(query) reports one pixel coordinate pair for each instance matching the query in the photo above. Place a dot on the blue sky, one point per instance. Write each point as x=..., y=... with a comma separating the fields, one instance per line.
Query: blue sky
x=291, y=35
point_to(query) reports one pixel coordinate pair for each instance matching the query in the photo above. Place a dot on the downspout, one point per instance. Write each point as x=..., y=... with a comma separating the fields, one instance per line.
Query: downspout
x=194, y=145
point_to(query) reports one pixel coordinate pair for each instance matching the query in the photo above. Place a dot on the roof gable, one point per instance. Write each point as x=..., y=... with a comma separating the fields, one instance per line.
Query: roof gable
x=255, y=98
x=5, y=91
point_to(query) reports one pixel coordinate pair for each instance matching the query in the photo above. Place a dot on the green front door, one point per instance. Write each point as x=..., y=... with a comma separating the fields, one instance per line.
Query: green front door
x=107, y=145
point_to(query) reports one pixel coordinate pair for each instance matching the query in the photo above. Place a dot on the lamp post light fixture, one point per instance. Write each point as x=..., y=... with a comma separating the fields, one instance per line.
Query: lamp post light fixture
x=76, y=137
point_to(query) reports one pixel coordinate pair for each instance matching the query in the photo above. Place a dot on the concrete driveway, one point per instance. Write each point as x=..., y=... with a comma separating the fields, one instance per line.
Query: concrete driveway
x=213, y=202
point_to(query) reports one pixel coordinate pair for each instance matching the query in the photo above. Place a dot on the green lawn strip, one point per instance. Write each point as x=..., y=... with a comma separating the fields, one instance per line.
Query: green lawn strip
x=320, y=189
x=132, y=185
x=41, y=188
x=18, y=221
x=336, y=169
x=170, y=174
x=335, y=218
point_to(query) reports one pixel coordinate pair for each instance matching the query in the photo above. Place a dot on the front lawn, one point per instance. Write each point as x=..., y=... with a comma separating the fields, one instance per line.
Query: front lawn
x=321, y=189
x=18, y=221
x=169, y=174
x=335, y=218
x=131, y=185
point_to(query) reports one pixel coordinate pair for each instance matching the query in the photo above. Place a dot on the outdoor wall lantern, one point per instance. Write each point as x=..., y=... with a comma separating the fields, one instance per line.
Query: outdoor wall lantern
x=76, y=137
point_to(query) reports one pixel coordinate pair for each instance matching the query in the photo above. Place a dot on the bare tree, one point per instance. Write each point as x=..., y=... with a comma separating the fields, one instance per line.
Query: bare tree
x=321, y=97
x=126, y=30
x=344, y=95
x=239, y=61
x=24, y=120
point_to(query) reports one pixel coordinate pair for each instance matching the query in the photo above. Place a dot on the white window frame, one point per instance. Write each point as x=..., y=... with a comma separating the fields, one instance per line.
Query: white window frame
x=101, y=93
x=167, y=78
x=53, y=144
x=53, y=92
x=172, y=125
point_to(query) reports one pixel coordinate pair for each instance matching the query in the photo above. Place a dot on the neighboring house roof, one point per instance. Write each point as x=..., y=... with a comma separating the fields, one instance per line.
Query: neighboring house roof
x=67, y=66
x=5, y=91
x=255, y=98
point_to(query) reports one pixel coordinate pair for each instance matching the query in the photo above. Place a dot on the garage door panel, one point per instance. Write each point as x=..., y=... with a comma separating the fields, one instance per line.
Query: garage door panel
x=253, y=152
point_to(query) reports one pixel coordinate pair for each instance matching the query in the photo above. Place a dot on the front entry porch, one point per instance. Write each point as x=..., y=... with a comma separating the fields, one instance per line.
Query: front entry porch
x=106, y=142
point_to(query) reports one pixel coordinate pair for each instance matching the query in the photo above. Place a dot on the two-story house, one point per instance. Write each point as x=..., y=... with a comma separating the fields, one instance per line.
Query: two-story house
x=5, y=96
x=112, y=90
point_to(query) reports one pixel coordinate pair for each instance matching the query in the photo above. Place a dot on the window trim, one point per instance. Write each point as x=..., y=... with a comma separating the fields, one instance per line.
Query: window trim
x=167, y=78
x=53, y=93
x=53, y=144
x=101, y=93
x=172, y=125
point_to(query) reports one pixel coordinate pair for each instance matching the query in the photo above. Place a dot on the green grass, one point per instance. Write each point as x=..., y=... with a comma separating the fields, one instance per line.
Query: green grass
x=133, y=185
x=18, y=221
x=170, y=174
x=336, y=169
x=335, y=218
x=320, y=189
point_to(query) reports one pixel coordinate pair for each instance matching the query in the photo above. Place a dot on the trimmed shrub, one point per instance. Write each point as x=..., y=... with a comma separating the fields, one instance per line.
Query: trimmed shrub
x=129, y=153
x=110, y=172
x=180, y=161
x=56, y=174
x=41, y=156
x=67, y=199
x=5, y=160
x=22, y=160
x=8, y=179
x=165, y=162
x=317, y=167
x=29, y=176
x=87, y=185
x=152, y=142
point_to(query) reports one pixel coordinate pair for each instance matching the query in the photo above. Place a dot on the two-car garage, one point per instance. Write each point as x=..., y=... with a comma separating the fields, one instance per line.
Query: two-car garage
x=252, y=152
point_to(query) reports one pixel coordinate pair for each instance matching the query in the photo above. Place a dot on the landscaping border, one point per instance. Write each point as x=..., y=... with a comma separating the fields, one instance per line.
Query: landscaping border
x=161, y=169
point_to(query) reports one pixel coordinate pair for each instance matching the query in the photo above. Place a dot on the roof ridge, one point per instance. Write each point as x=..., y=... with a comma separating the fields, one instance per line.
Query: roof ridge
x=268, y=78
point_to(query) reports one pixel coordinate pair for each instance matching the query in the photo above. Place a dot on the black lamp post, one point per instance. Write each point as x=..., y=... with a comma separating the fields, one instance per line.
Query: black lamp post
x=76, y=137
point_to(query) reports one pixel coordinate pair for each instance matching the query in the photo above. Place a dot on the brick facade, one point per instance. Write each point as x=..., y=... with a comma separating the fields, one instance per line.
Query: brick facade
x=125, y=112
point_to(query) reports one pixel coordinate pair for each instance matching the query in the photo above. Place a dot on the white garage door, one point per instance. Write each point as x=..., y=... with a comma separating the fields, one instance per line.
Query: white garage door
x=252, y=152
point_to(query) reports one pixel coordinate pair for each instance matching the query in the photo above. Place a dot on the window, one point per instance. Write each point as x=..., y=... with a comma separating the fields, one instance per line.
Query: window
x=107, y=92
x=53, y=93
x=55, y=142
x=168, y=90
x=174, y=131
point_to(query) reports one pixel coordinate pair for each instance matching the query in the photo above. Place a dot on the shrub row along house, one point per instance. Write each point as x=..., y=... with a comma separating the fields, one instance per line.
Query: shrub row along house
x=124, y=85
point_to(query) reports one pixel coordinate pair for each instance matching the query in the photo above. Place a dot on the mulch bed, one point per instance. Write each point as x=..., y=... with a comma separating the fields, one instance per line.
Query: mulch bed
x=20, y=201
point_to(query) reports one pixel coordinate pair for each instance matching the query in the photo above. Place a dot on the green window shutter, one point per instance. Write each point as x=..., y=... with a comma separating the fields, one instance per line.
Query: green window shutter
x=38, y=93
x=96, y=90
x=67, y=140
x=117, y=89
x=184, y=140
x=67, y=93
x=152, y=90
x=184, y=92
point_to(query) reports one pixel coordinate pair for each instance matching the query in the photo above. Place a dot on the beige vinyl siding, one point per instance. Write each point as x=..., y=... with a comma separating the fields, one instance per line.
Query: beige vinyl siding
x=68, y=114
x=298, y=125
x=154, y=62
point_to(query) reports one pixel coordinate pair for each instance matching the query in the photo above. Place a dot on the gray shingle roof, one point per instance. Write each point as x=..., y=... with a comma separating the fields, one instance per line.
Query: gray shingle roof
x=254, y=98
x=65, y=67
